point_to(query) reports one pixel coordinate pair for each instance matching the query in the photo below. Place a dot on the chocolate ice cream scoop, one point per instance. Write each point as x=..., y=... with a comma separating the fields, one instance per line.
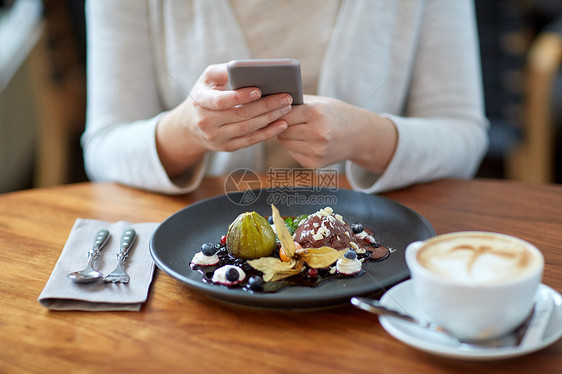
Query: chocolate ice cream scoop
x=324, y=229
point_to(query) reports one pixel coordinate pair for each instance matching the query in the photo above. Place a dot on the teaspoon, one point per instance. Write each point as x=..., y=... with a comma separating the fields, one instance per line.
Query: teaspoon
x=89, y=273
x=512, y=339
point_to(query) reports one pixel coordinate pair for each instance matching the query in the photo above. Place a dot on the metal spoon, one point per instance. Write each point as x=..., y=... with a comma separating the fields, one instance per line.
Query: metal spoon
x=90, y=274
x=511, y=339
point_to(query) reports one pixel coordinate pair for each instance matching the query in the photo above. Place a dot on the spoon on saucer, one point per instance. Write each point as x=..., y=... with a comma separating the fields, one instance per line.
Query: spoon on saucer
x=511, y=339
x=89, y=274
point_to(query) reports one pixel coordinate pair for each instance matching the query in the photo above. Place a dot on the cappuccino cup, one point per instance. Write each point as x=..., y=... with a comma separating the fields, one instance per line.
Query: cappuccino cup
x=478, y=285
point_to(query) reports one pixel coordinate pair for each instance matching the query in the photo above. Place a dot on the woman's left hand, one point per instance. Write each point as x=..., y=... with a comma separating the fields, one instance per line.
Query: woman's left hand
x=325, y=131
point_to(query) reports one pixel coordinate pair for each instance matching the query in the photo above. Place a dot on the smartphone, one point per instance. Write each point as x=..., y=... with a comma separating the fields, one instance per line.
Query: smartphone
x=270, y=76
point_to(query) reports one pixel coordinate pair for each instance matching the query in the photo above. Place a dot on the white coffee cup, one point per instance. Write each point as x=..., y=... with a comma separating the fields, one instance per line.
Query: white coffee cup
x=478, y=285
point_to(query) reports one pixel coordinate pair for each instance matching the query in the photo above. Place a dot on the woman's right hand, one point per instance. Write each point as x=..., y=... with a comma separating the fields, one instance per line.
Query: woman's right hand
x=213, y=118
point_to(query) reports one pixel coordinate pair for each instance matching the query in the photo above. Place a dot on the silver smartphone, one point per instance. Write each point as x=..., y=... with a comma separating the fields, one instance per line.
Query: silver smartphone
x=270, y=76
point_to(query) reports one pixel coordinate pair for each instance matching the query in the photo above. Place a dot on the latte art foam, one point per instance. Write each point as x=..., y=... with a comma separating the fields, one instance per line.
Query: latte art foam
x=479, y=258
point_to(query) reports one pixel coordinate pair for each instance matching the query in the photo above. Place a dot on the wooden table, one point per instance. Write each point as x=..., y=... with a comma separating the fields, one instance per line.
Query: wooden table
x=180, y=330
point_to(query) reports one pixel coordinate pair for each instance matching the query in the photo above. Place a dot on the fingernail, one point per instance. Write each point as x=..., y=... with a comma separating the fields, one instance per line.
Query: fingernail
x=285, y=109
x=289, y=99
x=255, y=94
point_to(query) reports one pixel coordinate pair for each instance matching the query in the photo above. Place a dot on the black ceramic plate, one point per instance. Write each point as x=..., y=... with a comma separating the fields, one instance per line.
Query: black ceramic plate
x=179, y=237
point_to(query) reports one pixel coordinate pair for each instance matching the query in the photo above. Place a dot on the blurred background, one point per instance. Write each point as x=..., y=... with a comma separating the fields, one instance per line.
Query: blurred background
x=43, y=90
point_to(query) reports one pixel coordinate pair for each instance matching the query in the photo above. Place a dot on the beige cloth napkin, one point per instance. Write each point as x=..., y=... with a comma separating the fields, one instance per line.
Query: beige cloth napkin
x=60, y=293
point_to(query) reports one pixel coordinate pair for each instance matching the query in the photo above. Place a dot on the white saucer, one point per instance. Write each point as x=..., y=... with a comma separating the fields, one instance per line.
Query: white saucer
x=401, y=297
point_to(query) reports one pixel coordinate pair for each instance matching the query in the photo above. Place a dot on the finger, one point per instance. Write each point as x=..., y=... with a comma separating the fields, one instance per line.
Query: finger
x=216, y=76
x=260, y=107
x=306, y=160
x=217, y=100
x=271, y=130
x=297, y=132
x=297, y=146
x=249, y=126
x=251, y=116
x=299, y=114
x=211, y=90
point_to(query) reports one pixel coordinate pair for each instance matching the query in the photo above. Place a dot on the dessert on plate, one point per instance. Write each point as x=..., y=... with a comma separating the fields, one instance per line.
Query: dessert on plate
x=266, y=255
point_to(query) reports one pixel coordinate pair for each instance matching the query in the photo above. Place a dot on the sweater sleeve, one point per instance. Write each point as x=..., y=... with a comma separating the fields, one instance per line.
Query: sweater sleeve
x=442, y=131
x=124, y=106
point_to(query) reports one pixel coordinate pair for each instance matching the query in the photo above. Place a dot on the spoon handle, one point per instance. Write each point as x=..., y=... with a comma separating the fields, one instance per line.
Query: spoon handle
x=537, y=324
x=374, y=306
x=99, y=242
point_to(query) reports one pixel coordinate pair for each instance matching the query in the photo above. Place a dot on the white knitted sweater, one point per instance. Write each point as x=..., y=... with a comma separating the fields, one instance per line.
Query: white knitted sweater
x=413, y=61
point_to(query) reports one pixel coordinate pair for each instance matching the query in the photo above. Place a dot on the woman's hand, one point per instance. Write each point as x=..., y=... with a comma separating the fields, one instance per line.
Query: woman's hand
x=324, y=131
x=213, y=118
